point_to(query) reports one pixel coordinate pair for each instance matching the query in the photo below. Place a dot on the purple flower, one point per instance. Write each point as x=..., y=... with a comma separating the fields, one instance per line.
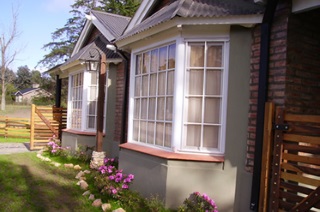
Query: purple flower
x=125, y=186
x=111, y=177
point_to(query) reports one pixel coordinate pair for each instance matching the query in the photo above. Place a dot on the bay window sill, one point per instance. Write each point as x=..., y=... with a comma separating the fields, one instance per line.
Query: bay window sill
x=171, y=155
x=77, y=132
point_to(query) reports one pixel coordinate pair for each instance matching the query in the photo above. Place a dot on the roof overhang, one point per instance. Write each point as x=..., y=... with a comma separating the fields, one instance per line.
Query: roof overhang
x=242, y=20
x=299, y=6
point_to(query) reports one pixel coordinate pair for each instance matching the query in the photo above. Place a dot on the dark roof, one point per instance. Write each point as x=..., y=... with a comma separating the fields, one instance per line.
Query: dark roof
x=90, y=51
x=24, y=91
x=115, y=24
x=196, y=8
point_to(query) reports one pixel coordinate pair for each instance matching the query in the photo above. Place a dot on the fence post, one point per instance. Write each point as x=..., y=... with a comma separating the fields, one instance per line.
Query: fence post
x=33, y=108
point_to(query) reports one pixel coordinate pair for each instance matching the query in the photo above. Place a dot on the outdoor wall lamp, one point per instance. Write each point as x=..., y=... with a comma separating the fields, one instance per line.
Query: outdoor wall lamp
x=92, y=64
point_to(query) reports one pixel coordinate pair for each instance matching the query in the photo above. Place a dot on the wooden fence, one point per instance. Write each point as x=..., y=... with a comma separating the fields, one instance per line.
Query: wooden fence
x=45, y=123
x=14, y=127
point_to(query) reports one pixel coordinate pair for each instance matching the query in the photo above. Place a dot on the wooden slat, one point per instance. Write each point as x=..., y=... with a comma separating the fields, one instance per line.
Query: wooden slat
x=301, y=169
x=302, y=118
x=300, y=179
x=302, y=138
x=314, y=149
x=302, y=159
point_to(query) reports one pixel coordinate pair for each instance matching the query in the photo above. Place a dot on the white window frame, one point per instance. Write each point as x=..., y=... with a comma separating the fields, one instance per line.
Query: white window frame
x=177, y=138
x=85, y=101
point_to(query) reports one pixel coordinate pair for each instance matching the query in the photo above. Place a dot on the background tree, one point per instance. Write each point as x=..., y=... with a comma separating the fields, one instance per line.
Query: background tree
x=36, y=77
x=10, y=77
x=64, y=39
x=7, y=39
x=24, y=78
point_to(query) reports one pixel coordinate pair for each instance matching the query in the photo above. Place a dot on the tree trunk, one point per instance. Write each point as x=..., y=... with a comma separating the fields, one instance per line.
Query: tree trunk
x=3, y=95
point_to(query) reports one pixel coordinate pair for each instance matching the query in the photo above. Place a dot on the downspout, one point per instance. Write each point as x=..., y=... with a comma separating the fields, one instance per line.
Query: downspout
x=262, y=99
x=58, y=91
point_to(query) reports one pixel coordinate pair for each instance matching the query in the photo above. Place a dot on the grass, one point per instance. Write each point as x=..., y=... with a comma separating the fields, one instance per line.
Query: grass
x=14, y=140
x=10, y=109
x=33, y=185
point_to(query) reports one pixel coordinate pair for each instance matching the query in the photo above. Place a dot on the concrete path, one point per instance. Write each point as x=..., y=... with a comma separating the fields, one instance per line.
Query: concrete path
x=10, y=148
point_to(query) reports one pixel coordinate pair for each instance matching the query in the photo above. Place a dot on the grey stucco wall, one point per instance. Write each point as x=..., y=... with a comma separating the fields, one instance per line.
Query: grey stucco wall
x=227, y=183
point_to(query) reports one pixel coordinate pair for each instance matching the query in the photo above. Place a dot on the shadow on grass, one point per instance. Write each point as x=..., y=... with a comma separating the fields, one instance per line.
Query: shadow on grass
x=42, y=188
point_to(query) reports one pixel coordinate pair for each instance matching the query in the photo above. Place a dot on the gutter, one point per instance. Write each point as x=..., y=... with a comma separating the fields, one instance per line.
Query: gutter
x=262, y=99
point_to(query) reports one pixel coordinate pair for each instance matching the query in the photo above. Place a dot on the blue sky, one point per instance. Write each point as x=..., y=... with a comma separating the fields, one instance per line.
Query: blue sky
x=36, y=21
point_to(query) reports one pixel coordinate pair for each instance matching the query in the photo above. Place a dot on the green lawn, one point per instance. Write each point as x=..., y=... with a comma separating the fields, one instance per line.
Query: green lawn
x=29, y=184
x=12, y=109
x=14, y=140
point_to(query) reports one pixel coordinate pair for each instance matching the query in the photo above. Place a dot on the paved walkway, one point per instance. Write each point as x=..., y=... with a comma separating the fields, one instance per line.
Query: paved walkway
x=9, y=148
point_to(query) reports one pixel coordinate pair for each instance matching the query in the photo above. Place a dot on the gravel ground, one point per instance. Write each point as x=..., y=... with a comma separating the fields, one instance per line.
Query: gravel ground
x=10, y=148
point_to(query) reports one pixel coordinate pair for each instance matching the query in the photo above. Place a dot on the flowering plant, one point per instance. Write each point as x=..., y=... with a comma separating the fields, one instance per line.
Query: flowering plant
x=112, y=181
x=53, y=145
x=198, y=203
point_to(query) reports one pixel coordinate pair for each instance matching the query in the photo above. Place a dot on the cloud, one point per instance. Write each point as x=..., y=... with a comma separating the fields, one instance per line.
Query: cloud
x=57, y=5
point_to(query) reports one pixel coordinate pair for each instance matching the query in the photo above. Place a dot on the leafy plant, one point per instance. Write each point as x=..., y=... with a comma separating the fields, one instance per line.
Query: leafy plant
x=198, y=203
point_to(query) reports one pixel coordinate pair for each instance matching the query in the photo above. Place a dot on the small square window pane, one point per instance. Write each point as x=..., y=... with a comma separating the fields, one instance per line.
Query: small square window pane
x=210, y=136
x=152, y=109
x=214, y=56
x=136, y=130
x=91, y=122
x=169, y=105
x=159, y=134
x=137, y=88
x=213, y=82
x=197, y=55
x=161, y=83
x=154, y=60
x=212, y=110
x=143, y=131
x=167, y=137
x=195, y=82
x=194, y=110
x=92, y=107
x=144, y=108
x=145, y=84
x=150, y=133
x=138, y=64
x=146, y=62
x=136, y=108
x=193, y=135
x=153, y=84
x=172, y=56
x=160, y=109
x=170, y=82
x=163, y=58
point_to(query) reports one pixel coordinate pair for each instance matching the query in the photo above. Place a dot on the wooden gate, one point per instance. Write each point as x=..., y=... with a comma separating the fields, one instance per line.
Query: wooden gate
x=290, y=179
x=45, y=123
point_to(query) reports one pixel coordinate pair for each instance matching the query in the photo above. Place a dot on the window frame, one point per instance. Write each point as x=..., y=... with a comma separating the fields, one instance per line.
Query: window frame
x=179, y=94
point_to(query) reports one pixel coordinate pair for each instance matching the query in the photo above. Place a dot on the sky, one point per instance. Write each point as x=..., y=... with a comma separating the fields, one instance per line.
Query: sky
x=37, y=20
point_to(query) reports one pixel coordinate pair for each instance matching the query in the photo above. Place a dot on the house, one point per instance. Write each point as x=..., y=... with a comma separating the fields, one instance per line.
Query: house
x=26, y=95
x=187, y=106
x=100, y=30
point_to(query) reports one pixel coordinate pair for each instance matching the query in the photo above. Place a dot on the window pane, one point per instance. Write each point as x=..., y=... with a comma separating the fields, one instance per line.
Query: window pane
x=144, y=107
x=159, y=134
x=138, y=64
x=170, y=82
x=146, y=62
x=161, y=83
x=197, y=55
x=195, y=82
x=163, y=58
x=94, y=78
x=172, y=56
x=136, y=108
x=169, y=108
x=193, y=135
x=152, y=108
x=210, y=136
x=153, y=84
x=143, y=131
x=214, y=56
x=194, y=110
x=212, y=110
x=136, y=130
x=151, y=132
x=213, y=82
x=160, y=109
x=93, y=93
x=91, y=122
x=137, y=86
x=145, y=82
x=154, y=60
x=167, y=138
x=92, y=108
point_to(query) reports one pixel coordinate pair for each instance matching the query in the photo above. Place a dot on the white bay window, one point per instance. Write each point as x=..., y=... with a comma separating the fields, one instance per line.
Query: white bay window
x=191, y=121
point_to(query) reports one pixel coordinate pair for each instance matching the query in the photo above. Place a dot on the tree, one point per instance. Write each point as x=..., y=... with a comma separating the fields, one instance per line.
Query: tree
x=8, y=55
x=24, y=78
x=64, y=39
x=36, y=77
